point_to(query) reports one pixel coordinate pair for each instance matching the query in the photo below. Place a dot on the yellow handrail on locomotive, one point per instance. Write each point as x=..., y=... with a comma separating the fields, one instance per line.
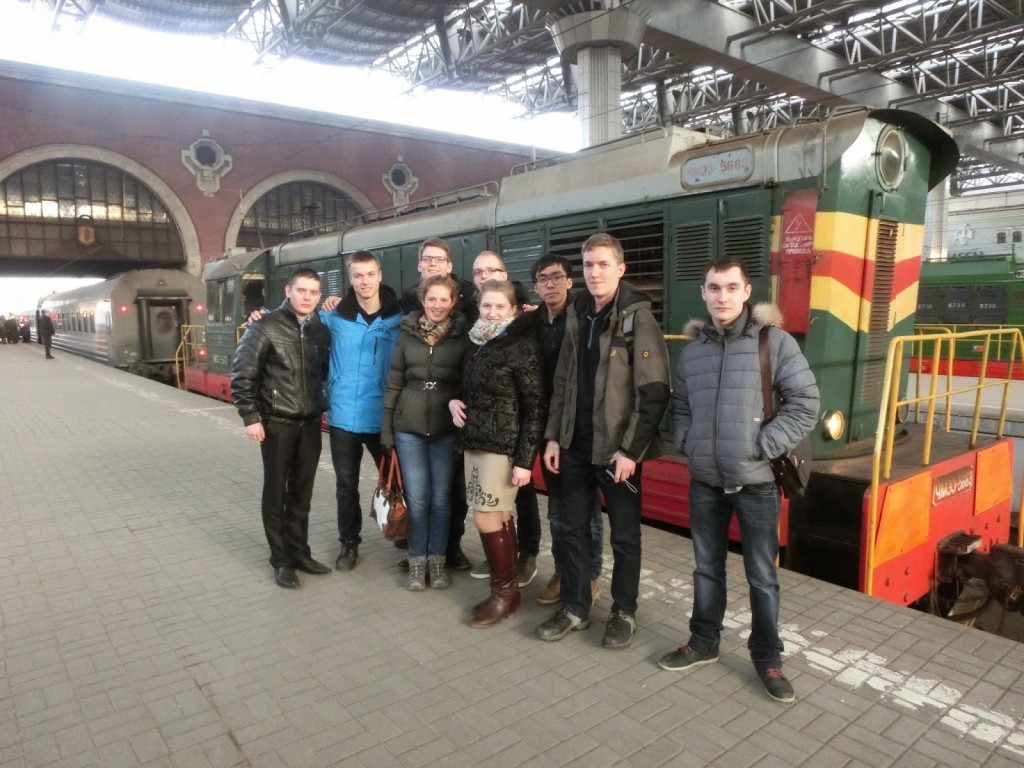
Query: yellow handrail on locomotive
x=193, y=339
x=1004, y=344
x=881, y=465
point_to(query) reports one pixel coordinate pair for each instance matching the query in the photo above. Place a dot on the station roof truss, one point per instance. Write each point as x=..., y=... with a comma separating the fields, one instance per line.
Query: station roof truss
x=727, y=67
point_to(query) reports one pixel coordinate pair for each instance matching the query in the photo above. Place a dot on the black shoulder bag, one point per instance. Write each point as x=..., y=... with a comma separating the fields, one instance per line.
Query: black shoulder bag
x=792, y=469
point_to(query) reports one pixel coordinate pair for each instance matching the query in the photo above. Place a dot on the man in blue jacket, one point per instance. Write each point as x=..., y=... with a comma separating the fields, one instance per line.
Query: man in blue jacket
x=718, y=415
x=364, y=328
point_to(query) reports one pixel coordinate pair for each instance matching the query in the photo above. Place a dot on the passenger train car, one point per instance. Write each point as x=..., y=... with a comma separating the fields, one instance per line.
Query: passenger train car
x=132, y=321
x=829, y=219
x=972, y=292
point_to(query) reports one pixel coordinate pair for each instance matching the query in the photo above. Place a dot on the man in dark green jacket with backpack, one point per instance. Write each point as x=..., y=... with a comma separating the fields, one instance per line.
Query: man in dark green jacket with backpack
x=611, y=389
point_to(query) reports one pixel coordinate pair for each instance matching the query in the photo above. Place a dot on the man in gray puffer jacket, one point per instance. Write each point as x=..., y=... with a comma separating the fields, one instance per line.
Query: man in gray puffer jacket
x=718, y=416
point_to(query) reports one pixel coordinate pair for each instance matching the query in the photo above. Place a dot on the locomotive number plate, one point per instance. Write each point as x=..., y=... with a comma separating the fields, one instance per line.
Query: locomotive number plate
x=734, y=165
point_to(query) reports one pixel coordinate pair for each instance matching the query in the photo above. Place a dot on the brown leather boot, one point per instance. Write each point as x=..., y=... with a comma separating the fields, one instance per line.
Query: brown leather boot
x=501, y=549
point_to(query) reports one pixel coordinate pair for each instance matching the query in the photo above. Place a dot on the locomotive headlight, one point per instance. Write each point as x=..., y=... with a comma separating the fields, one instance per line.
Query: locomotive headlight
x=890, y=158
x=832, y=425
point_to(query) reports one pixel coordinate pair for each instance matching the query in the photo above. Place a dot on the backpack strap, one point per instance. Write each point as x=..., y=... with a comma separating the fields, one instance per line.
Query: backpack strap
x=766, y=372
x=627, y=331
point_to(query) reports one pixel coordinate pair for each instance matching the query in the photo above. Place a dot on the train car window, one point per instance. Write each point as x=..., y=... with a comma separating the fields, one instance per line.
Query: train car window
x=229, y=301
x=253, y=296
x=213, y=290
x=92, y=322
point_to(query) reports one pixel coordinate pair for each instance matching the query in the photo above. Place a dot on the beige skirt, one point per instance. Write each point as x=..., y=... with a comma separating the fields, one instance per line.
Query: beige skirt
x=489, y=482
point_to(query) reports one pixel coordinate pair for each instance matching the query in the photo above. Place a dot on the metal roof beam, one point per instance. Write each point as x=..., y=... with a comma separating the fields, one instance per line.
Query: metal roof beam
x=696, y=30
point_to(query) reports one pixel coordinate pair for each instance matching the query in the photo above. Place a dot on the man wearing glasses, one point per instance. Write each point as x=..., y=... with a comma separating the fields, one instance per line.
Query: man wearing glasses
x=436, y=259
x=490, y=266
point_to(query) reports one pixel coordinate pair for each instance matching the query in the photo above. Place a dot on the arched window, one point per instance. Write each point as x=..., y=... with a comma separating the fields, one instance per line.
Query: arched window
x=43, y=205
x=1001, y=238
x=296, y=208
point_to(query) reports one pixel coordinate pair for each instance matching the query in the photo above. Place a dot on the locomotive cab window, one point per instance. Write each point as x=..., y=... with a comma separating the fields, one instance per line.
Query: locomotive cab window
x=253, y=295
x=890, y=159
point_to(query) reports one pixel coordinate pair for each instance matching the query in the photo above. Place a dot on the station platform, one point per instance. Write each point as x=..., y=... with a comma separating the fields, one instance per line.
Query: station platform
x=140, y=626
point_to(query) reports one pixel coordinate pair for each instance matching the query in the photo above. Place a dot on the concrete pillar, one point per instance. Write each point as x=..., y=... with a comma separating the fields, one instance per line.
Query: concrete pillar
x=937, y=218
x=597, y=42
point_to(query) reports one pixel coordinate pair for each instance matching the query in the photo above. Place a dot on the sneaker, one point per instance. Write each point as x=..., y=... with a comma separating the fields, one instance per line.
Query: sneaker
x=561, y=624
x=619, y=631
x=526, y=566
x=552, y=591
x=416, y=581
x=349, y=554
x=776, y=684
x=436, y=573
x=686, y=657
x=481, y=570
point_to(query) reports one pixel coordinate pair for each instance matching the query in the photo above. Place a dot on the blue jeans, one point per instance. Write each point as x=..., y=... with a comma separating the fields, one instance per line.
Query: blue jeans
x=579, y=486
x=757, y=509
x=426, y=464
x=553, y=484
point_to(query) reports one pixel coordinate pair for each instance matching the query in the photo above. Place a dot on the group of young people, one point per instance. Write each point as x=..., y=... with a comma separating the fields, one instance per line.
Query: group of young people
x=469, y=382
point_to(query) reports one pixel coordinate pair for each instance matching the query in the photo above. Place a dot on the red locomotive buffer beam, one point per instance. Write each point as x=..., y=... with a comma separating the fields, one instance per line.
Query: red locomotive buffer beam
x=969, y=492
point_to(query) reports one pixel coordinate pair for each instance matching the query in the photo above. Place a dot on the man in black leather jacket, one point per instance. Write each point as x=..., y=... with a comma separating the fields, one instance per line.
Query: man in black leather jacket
x=277, y=382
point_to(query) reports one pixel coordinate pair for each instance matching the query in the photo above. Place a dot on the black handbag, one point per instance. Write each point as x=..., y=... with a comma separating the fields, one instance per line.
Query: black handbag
x=792, y=469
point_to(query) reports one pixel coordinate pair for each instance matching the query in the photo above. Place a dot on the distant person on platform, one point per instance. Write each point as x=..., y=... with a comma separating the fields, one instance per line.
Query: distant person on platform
x=46, y=331
x=277, y=383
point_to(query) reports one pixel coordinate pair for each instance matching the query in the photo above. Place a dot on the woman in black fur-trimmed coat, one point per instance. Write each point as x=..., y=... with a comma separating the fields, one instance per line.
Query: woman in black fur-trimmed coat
x=501, y=419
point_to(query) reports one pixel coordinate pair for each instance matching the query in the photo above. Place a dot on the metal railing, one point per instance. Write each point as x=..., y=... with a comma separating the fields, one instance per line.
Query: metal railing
x=929, y=346
x=190, y=351
x=1003, y=350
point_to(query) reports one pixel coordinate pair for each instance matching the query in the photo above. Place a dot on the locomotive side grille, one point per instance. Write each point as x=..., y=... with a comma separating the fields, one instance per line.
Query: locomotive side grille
x=693, y=250
x=330, y=284
x=642, y=237
x=519, y=251
x=745, y=239
x=566, y=241
x=878, y=320
x=643, y=242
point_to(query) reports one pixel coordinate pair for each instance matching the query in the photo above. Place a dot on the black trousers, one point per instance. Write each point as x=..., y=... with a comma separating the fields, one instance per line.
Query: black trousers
x=47, y=341
x=290, y=451
x=347, y=457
